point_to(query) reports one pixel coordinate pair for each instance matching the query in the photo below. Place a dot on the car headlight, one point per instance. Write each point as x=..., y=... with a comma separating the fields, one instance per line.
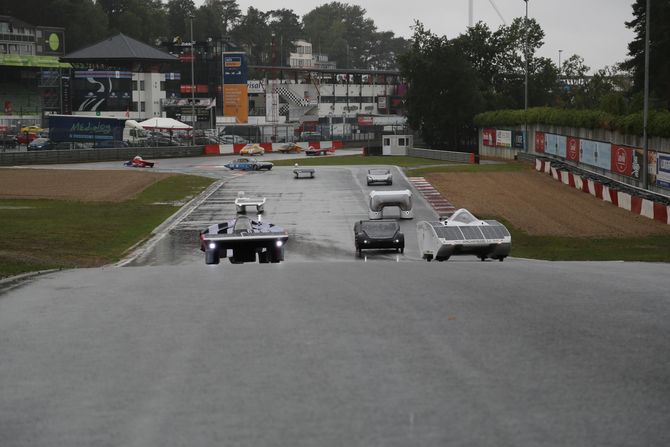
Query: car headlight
x=396, y=241
x=212, y=245
x=365, y=241
x=279, y=243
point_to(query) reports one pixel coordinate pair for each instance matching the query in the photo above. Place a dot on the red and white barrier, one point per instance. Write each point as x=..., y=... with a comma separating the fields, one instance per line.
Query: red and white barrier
x=635, y=204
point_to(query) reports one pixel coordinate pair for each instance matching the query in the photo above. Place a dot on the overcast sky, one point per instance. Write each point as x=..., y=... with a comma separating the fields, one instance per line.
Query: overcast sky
x=594, y=29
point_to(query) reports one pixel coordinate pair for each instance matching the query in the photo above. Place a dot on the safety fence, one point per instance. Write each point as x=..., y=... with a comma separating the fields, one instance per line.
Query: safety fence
x=93, y=155
x=224, y=149
x=457, y=157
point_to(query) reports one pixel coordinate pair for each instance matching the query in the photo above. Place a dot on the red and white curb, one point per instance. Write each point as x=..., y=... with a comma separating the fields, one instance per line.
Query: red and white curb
x=443, y=207
x=638, y=205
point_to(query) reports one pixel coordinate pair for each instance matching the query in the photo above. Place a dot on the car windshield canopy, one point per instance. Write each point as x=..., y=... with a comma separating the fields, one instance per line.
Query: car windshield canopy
x=379, y=171
x=380, y=229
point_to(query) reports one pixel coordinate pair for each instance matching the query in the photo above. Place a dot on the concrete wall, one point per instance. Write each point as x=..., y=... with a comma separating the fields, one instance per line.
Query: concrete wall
x=93, y=155
x=457, y=157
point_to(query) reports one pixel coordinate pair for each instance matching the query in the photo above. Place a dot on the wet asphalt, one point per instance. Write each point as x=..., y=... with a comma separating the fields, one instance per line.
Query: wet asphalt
x=326, y=349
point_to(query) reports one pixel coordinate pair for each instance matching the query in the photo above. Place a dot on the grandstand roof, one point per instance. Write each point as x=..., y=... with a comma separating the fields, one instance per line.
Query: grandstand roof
x=119, y=48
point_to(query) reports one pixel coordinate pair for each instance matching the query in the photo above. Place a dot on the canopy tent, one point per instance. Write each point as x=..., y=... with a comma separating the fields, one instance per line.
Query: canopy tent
x=164, y=124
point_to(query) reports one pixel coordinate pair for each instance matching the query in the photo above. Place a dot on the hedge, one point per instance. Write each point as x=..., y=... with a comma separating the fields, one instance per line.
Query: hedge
x=659, y=120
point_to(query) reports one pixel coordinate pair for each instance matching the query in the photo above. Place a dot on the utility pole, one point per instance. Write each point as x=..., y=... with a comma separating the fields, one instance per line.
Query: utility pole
x=645, y=118
x=193, y=119
x=525, y=102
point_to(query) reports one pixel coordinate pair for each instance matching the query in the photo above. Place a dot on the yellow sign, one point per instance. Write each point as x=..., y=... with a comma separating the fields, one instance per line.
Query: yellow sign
x=54, y=42
x=236, y=102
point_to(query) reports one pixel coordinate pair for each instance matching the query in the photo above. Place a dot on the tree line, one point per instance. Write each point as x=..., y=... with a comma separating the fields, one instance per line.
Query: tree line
x=341, y=31
x=452, y=80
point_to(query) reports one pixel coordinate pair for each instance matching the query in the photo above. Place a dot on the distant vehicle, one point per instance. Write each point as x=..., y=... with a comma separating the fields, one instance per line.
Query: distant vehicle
x=287, y=148
x=94, y=129
x=201, y=141
x=110, y=144
x=25, y=138
x=7, y=141
x=40, y=144
x=139, y=162
x=31, y=129
x=66, y=146
x=312, y=151
x=252, y=149
x=246, y=239
x=463, y=234
x=232, y=139
x=249, y=164
x=380, y=176
x=242, y=202
x=160, y=141
x=378, y=234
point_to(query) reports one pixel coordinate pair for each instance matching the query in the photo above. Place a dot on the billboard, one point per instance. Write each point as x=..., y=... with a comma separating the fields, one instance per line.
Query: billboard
x=235, y=89
x=625, y=161
x=539, y=142
x=572, y=151
x=85, y=128
x=100, y=90
x=489, y=137
x=504, y=138
x=517, y=139
x=663, y=170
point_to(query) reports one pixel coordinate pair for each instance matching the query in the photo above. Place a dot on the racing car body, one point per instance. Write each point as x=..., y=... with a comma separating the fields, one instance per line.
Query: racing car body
x=382, y=199
x=252, y=149
x=313, y=151
x=376, y=234
x=242, y=202
x=243, y=240
x=288, y=148
x=380, y=176
x=139, y=162
x=249, y=164
x=461, y=234
x=303, y=172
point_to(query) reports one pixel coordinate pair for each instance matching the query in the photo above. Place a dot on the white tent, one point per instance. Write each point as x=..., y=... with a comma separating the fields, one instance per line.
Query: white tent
x=164, y=124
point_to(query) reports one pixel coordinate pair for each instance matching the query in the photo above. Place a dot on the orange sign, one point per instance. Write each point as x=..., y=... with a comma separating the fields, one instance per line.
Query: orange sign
x=236, y=102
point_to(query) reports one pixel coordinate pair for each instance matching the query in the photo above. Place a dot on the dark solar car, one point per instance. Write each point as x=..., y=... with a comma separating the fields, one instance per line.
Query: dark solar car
x=377, y=234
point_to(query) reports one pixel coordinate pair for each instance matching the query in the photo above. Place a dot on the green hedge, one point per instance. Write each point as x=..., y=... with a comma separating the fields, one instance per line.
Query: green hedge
x=659, y=121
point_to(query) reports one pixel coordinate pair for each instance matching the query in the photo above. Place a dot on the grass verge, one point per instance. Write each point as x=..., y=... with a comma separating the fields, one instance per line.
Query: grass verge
x=654, y=248
x=358, y=160
x=498, y=167
x=47, y=234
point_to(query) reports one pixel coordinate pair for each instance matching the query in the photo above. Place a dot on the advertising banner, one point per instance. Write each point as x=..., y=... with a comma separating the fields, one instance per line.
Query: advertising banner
x=550, y=143
x=65, y=96
x=85, y=128
x=517, y=139
x=624, y=161
x=255, y=87
x=604, y=155
x=572, y=153
x=489, y=137
x=105, y=91
x=539, y=142
x=561, y=145
x=587, y=152
x=663, y=170
x=235, y=89
x=504, y=138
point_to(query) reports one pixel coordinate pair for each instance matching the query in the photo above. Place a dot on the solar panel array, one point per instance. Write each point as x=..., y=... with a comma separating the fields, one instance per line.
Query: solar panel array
x=495, y=230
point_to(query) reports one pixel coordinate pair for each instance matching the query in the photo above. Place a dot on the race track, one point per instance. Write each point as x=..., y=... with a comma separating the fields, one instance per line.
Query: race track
x=328, y=349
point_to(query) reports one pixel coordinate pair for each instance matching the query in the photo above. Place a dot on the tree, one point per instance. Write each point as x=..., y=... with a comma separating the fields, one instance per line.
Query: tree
x=178, y=12
x=254, y=34
x=144, y=20
x=444, y=92
x=659, y=65
x=287, y=28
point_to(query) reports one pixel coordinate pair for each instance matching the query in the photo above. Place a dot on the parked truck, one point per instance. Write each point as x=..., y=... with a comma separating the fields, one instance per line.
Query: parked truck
x=94, y=129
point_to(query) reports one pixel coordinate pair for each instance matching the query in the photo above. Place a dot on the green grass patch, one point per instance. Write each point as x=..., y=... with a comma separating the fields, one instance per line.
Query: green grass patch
x=344, y=160
x=561, y=248
x=46, y=234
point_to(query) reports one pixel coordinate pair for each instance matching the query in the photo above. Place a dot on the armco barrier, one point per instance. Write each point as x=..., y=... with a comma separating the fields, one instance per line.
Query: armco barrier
x=458, y=157
x=644, y=203
x=227, y=149
x=93, y=155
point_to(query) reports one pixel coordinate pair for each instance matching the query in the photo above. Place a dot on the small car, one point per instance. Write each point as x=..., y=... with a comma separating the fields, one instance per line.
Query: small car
x=380, y=176
x=248, y=164
x=377, y=234
x=139, y=162
x=314, y=151
x=252, y=149
x=288, y=148
x=40, y=144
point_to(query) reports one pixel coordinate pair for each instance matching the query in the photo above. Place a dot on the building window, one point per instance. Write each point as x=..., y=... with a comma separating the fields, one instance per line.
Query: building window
x=142, y=85
x=144, y=106
x=134, y=85
x=162, y=86
x=387, y=141
x=401, y=142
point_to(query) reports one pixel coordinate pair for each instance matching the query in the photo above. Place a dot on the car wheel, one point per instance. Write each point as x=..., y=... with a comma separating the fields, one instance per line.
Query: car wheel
x=211, y=257
x=264, y=258
x=428, y=258
x=256, y=167
x=501, y=258
x=483, y=258
x=402, y=249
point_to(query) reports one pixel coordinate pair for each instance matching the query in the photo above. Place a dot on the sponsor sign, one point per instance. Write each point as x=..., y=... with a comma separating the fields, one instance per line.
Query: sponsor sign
x=365, y=121
x=663, y=170
x=504, y=138
x=539, y=142
x=623, y=159
x=255, y=87
x=489, y=137
x=84, y=128
x=235, y=102
x=572, y=151
x=517, y=139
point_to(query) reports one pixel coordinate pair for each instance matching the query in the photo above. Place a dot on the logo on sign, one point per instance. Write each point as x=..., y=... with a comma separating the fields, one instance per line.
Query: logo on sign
x=572, y=149
x=621, y=159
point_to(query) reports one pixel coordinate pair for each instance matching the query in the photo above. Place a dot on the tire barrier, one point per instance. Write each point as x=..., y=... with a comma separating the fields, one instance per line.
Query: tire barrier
x=645, y=203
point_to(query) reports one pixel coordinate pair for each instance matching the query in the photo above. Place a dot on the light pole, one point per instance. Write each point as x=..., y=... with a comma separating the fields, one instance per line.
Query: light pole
x=192, y=85
x=645, y=118
x=525, y=101
x=559, y=62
